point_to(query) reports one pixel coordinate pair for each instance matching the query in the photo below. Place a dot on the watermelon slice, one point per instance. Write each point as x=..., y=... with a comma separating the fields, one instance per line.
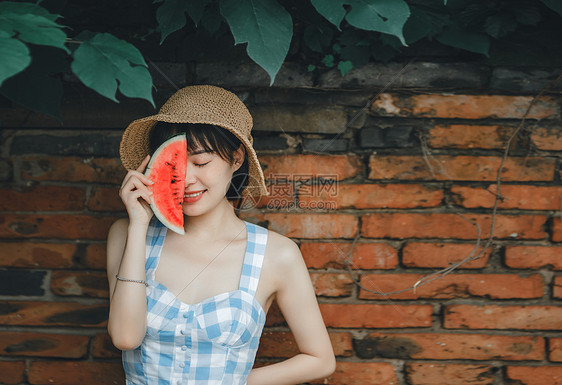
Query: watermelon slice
x=167, y=170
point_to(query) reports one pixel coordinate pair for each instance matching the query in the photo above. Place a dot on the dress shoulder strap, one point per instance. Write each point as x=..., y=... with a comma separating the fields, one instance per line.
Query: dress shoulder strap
x=253, y=260
x=155, y=236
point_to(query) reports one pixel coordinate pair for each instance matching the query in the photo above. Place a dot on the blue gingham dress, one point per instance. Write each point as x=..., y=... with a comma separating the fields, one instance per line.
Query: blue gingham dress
x=212, y=342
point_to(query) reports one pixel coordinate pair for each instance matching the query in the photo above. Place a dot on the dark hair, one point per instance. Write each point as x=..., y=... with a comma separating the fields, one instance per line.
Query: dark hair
x=213, y=139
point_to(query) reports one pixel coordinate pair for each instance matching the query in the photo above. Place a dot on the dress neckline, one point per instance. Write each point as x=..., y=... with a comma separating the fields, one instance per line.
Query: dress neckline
x=163, y=233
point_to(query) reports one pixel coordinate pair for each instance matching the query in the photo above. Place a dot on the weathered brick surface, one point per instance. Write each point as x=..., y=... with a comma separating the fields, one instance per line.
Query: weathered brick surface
x=80, y=283
x=105, y=199
x=460, y=168
x=367, y=196
x=469, y=136
x=72, y=373
x=417, y=225
x=514, y=197
x=533, y=257
x=376, y=316
x=43, y=344
x=422, y=254
x=62, y=226
x=555, y=349
x=535, y=375
x=503, y=317
x=292, y=118
x=12, y=372
x=102, y=347
x=72, y=169
x=35, y=313
x=464, y=106
x=496, y=286
x=557, y=287
x=557, y=229
x=441, y=346
x=441, y=374
x=547, y=138
x=22, y=282
x=320, y=255
x=43, y=198
x=36, y=254
x=309, y=168
x=332, y=285
x=282, y=345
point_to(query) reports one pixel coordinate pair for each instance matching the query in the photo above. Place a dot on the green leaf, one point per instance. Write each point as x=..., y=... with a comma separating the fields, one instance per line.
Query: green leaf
x=35, y=29
x=499, y=25
x=15, y=56
x=555, y=5
x=171, y=17
x=332, y=10
x=386, y=16
x=328, y=61
x=417, y=26
x=36, y=88
x=345, y=66
x=454, y=36
x=26, y=8
x=358, y=55
x=311, y=67
x=267, y=28
x=103, y=61
x=196, y=9
x=212, y=18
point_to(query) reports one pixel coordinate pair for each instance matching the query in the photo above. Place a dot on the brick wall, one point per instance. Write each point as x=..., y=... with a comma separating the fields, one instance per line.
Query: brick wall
x=392, y=177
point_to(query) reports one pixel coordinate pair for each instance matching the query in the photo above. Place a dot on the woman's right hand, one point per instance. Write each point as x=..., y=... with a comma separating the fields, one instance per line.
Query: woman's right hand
x=136, y=194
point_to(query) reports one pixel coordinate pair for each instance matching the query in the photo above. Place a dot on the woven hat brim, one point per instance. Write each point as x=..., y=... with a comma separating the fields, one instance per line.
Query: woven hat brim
x=134, y=147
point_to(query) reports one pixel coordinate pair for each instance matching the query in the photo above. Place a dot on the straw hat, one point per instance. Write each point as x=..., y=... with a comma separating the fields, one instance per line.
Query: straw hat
x=198, y=104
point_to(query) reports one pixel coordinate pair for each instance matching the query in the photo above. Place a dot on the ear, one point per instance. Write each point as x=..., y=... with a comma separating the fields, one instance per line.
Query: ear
x=239, y=157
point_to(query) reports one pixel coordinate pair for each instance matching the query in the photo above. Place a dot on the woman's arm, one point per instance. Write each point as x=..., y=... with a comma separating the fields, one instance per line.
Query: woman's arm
x=297, y=301
x=126, y=257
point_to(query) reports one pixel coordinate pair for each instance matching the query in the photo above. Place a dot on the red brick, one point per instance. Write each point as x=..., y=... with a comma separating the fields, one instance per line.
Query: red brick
x=105, y=199
x=437, y=225
x=82, y=283
x=282, y=195
x=442, y=374
x=274, y=316
x=73, y=169
x=547, y=138
x=12, y=372
x=533, y=257
x=469, y=136
x=35, y=313
x=465, y=106
x=503, y=317
x=361, y=373
x=42, y=255
x=277, y=344
x=421, y=254
x=496, y=286
x=72, y=373
x=557, y=287
x=376, y=316
x=322, y=255
x=460, y=167
x=364, y=196
x=449, y=346
x=557, y=229
x=43, y=344
x=312, y=226
x=514, y=197
x=555, y=349
x=296, y=168
x=96, y=256
x=64, y=226
x=102, y=347
x=332, y=284
x=43, y=198
x=535, y=375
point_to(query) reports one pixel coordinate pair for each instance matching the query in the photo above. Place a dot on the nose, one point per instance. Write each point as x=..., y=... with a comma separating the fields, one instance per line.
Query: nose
x=190, y=174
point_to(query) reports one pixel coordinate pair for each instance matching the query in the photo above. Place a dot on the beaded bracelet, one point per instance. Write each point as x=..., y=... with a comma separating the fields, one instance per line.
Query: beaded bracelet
x=131, y=280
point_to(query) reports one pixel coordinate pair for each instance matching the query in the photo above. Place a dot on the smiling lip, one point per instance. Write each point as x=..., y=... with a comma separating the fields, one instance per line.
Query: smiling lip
x=187, y=199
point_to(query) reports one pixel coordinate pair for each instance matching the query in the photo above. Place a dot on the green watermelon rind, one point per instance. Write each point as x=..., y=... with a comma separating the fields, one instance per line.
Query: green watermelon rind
x=155, y=160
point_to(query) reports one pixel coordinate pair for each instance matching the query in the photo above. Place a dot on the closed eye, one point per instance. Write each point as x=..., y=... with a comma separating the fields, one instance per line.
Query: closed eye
x=201, y=164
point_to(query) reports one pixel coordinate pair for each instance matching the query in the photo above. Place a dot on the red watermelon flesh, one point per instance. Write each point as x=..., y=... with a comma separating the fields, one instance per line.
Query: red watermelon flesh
x=167, y=170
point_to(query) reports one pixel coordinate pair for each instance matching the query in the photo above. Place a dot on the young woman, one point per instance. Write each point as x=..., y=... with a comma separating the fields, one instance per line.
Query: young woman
x=190, y=309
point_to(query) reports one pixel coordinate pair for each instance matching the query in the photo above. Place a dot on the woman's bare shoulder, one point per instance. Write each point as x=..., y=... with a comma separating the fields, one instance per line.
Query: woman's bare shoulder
x=119, y=227
x=281, y=250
